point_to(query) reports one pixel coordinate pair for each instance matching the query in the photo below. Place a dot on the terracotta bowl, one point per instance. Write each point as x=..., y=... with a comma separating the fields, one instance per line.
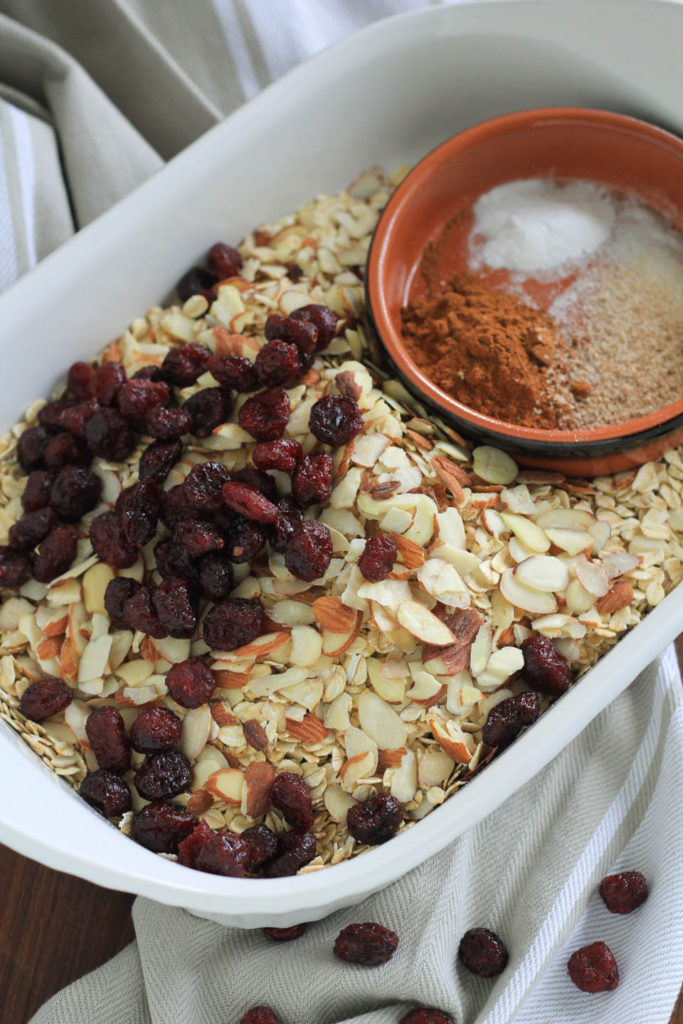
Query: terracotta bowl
x=621, y=152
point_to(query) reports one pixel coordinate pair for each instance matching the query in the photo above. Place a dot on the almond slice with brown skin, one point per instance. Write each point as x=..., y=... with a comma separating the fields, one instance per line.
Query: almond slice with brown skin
x=423, y=624
x=309, y=730
x=226, y=784
x=333, y=615
x=259, y=778
x=619, y=596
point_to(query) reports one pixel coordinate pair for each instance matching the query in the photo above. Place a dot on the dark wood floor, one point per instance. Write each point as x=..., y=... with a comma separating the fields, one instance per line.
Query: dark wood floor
x=55, y=928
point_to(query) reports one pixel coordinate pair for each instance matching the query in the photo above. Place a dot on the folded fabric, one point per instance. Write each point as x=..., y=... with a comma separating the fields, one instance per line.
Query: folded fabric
x=529, y=872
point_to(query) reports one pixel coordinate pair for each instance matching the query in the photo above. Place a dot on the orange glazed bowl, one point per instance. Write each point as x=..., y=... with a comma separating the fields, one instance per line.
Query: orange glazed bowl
x=619, y=152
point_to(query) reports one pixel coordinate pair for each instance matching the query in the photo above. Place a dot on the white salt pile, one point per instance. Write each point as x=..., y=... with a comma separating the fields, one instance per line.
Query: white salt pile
x=538, y=224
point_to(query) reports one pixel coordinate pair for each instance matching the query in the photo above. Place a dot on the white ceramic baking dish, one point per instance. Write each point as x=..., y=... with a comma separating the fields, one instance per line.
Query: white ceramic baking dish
x=387, y=95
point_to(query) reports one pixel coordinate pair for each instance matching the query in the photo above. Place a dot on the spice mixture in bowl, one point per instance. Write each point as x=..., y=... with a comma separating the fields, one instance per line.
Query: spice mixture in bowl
x=261, y=610
x=526, y=280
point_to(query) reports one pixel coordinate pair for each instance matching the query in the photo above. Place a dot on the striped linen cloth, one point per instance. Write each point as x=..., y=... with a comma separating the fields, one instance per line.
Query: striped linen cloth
x=81, y=124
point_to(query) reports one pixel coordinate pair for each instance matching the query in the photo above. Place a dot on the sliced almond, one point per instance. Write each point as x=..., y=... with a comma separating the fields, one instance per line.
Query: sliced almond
x=261, y=646
x=338, y=803
x=195, y=731
x=421, y=623
x=337, y=713
x=434, y=768
x=334, y=644
x=493, y=465
x=592, y=577
x=543, y=572
x=380, y=722
x=307, y=646
x=504, y=662
x=524, y=597
x=226, y=785
x=411, y=554
x=333, y=615
x=566, y=519
x=571, y=541
x=255, y=734
x=577, y=599
x=259, y=778
x=531, y=535
x=391, y=690
x=356, y=768
x=616, y=563
x=404, y=780
x=619, y=596
x=426, y=689
x=443, y=582
x=209, y=761
x=453, y=740
x=309, y=730
x=560, y=625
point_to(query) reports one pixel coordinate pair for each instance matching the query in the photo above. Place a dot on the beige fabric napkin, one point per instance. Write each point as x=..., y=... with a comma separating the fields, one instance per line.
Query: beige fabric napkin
x=94, y=94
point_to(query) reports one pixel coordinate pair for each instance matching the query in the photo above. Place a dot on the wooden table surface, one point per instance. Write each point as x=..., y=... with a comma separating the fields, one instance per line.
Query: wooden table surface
x=55, y=928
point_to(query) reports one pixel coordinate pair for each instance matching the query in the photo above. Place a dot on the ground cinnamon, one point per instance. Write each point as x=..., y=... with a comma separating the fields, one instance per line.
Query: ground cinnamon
x=487, y=349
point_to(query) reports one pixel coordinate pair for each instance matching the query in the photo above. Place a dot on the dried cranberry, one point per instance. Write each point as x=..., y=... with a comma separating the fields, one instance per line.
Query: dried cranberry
x=545, y=669
x=248, y=502
x=427, y=1015
x=45, y=698
x=163, y=775
x=263, y=482
x=107, y=792
x=369, y=944
x=13, y=566
x=174, y=562
x=309, y=551
x=624, y=892
x=106, y=731
x=312, y=484
x=336, y=419
x=301, y=333
x=65, y=450
x=593, y=968
x=195, y=282
x=378, y=557
x=109, y=435
x=482, y=952
x=290, y=794
x=158, y=459
x=282, y=454
x=233, y=623
x=243, y=541
x=75, y=491
x=234, y=372
x=108, y=381
x=161, y=827
x=321, y=317
x=55, y=554
x=191, y=683
x=203, y=486
x=289, y=515
x=295, y=931
x=277, y=364
x=184, y=364
x=37, y=491
x=50, y=415
x=266, y=414
x=262, y=846
x=208, y=409
x=155, y=729
x=375, y=820
x=175, y=507
x=224, y=261
x=217, y=853
x=31, y=446
x=141, y=614
x=110, y=542
x=167, y=424
x=295, y=850
x=260, y=1015
x=215, y=576
x=74, y=417
x=80, y=380
x=150, y=372
x=198, y=537
x=137, y=397
x=31, y=528
x=116, y=597
x=508, y=718
x=137, y=508
x=175, y=607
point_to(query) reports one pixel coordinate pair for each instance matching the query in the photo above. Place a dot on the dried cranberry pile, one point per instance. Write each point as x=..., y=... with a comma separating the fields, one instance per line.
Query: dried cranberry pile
x=215, y=518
